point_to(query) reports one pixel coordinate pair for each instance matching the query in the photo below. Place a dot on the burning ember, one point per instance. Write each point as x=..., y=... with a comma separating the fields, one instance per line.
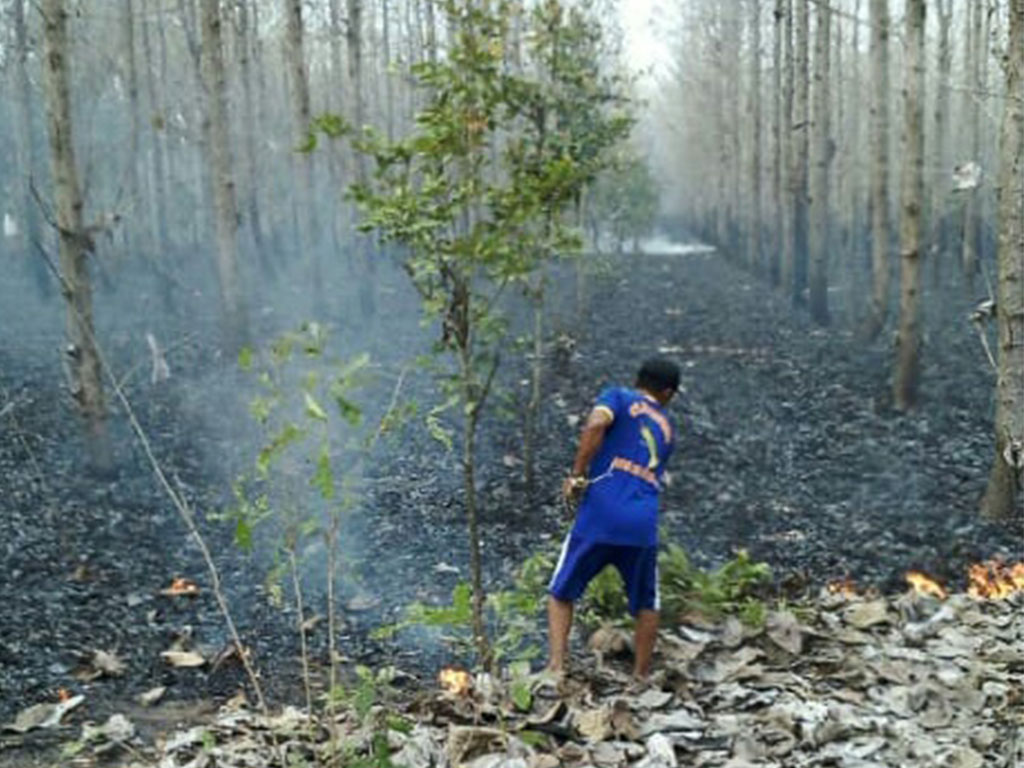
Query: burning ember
x=63, y=694
x=845, y=587
x=925, y=585
x=455, y=681
x=994, y=580
x=181, y=586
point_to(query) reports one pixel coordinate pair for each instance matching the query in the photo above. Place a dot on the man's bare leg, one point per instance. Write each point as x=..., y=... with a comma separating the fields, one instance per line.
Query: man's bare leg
x=643, y=642
x=559, y=623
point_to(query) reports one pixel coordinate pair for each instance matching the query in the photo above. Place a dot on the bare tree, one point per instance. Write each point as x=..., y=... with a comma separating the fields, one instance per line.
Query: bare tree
x=938, y=238
x=800, y=126
x=158, y=149
x=754, y=213
x=244, y=53
x=820, y=149
x=218, y=149
x=132, y=83
x=74, y=242
x=779, y=136
x=972, y=222
x=905, y=381
x=298, y=88
x=28, y=218
x=788, y=193
x=881, y=225
x=1006, y=479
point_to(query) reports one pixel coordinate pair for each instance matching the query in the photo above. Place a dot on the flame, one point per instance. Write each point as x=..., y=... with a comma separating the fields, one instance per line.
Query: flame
x=455, y=681
x=994, y=580
x=925, y=585
x=846, y=587
x=181, y=586
x=63, y=694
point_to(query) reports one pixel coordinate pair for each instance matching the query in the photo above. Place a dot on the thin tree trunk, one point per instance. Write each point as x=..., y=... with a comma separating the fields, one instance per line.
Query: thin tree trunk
x=754, y=215
x=28, y=216
x=1006, y=480
x=881, y=225
x=905, y=383
x=217, y=144
x=788, y=195
x=302, y=177
x=389, y=84
x=778, y=153
x=972, y=222
x=472, y=404
x=252, y=175
x=158, y=152
x=822, y=136
x=800, y=120
x=937, y=210
x=81, y=356
x=132, y=82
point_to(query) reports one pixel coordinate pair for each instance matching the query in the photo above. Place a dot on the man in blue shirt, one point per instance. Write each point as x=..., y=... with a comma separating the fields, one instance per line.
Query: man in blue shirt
x=626, y=441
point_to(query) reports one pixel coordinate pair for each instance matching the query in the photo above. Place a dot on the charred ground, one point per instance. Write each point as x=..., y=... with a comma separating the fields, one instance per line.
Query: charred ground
x=789, y=449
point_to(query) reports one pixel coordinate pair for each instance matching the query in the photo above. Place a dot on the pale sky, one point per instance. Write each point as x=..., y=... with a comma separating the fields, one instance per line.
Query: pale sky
x=646, y=23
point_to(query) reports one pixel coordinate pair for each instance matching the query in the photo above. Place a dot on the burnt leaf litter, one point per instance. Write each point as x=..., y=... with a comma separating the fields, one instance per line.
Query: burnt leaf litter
x=789, y=449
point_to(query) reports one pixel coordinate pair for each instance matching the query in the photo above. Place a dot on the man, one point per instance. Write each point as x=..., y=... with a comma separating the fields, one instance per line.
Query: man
x=626, y=441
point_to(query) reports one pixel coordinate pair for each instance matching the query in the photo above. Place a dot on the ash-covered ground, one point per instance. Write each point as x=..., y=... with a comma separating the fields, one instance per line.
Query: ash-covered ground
x=789, y=449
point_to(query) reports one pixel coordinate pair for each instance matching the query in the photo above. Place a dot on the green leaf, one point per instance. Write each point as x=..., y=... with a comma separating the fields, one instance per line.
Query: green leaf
x=287, y=435
x=245, y=358
x=313, y=409
x=323, y=478
x=243, y=534
x=521, y=695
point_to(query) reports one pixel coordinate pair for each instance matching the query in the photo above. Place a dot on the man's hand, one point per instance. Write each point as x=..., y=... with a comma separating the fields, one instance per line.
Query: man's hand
x=572, y=488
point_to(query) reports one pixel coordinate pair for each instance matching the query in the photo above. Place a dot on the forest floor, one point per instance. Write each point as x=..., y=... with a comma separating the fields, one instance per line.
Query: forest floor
x=789, y=449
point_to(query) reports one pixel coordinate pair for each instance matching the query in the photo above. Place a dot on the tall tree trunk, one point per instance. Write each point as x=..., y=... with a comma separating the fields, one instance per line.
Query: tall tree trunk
x=158, y=152
x=28, y=216
x=972, y=222
x=787, y=197
x=354, y=38
x=216, y=143
x=1006, y=480
x=246, y=33
x=778, y=136
x=905, y=382
x=132, y=82
x=734, y=90
x=800, y=125
x=820, y=146
x=754, y=226
x=341, y=225
x=302, y=195
x=938, y=229
x=389, y=81
x=881, y=225
x=85, y=375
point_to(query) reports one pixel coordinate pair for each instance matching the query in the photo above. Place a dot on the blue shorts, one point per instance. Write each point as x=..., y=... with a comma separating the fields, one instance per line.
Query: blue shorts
x=581, y=560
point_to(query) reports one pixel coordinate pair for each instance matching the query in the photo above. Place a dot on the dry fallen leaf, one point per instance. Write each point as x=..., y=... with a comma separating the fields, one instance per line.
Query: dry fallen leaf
x=42, y=715
x=152, y=696
x=784, y=630
x=183, y=658
x=864, y=615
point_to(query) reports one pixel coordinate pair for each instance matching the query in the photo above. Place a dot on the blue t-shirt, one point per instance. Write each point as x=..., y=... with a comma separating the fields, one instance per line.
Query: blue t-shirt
x=620, y=505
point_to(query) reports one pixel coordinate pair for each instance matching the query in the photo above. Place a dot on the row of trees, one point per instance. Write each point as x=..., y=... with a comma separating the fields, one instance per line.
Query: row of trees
x=772, y=163
x=194, y=131
x=477, y=164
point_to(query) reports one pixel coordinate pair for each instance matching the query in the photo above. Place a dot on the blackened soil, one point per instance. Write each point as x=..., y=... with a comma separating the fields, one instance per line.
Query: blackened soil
x=789, y=449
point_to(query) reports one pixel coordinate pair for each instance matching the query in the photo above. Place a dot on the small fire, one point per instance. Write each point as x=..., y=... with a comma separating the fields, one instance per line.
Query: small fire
x=63, y=694
x=994, y=580
x=925, y=585
x=181, y=586
x=846, y=587
x=455, y=681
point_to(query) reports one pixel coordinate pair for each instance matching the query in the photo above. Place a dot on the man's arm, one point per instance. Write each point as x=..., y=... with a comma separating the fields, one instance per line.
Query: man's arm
x=590, y=442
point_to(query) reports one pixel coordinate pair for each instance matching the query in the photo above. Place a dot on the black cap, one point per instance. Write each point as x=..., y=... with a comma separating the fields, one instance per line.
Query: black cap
x=658, y=374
